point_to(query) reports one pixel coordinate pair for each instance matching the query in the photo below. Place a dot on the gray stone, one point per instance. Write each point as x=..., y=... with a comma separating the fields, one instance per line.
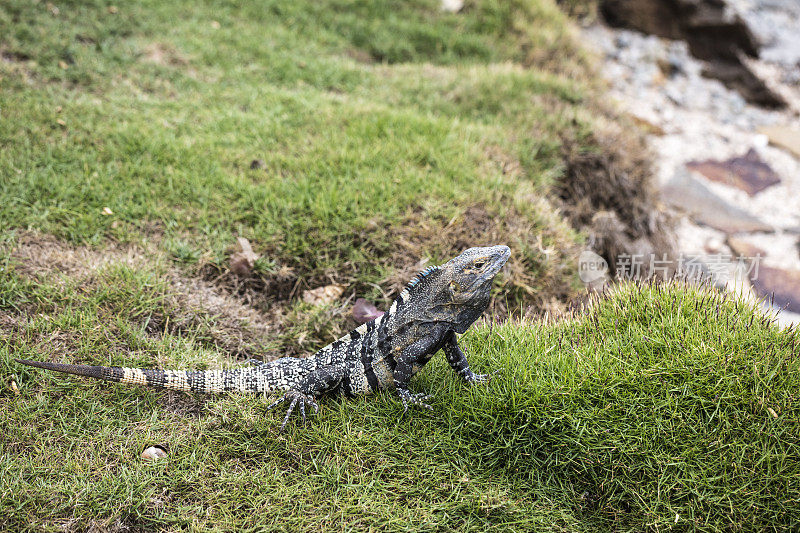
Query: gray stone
x=783, y=284
x=783, y=137
x=748, y=173
x=704, y=207
x=742, y=248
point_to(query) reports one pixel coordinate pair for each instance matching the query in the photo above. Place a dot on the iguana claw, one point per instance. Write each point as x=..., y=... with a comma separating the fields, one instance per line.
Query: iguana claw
x=473, y=378
x=418, y=398
x=296, y=398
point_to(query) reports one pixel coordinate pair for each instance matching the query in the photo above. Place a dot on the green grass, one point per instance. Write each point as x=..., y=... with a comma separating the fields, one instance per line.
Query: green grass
x=661, y=407
x=389, y=132
x=370, y=118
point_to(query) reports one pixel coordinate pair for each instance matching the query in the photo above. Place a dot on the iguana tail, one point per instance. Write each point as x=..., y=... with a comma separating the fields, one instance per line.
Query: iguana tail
x=208, y=381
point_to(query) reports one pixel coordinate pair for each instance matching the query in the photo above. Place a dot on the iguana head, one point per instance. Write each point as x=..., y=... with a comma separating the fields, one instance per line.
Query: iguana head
x=458, y=291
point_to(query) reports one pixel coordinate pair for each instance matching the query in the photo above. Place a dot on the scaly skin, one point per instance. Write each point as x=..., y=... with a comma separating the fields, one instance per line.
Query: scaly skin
x=385, y=353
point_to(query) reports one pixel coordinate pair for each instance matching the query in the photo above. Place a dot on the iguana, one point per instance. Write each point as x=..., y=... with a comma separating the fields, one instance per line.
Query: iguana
x=384, y=353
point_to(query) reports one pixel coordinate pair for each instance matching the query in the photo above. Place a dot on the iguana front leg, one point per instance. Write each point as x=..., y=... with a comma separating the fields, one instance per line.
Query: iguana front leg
x=458, y=361
x=417, y=353
x=315, y=384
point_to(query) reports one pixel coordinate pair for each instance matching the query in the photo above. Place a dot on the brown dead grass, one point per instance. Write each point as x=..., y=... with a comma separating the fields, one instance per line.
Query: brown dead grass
x=165, y=54
x=608, y=192
x=536, y=280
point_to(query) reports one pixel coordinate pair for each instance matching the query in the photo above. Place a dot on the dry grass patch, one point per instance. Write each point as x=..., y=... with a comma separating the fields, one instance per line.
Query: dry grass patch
x=608, y=192
x=183, y=303
x=165, y=54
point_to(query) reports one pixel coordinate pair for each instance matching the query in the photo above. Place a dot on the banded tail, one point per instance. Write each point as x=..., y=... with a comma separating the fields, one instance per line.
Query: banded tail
x=207, y=381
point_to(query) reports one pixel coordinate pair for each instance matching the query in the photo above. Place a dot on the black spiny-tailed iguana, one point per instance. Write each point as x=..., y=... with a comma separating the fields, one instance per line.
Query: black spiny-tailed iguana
x=382, y=354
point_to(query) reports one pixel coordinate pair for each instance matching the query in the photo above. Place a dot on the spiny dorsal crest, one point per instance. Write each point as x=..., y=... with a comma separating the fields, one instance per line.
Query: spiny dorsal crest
x=422, y=275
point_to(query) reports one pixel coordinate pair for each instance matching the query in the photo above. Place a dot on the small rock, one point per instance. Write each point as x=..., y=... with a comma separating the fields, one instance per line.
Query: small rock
x=676, y=95
x=748, y=173
x=742, y=248
x=783, y=137
x=154, y=453
x=713, y=245
x=241, y=263
x=648, y=126
x=452, y=6
x=257, y=164
x=760, y=140
x=688, y=194
x=323, y=295
x=623, y=40
x=364, y=311
x=215, y=24
x=784, y=284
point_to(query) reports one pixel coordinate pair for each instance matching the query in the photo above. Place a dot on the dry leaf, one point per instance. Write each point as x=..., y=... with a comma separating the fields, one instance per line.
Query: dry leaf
x=364, y=311
x=107, y=211
x=242, y=262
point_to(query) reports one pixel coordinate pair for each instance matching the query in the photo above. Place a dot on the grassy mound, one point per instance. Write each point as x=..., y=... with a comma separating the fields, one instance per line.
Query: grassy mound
x=348, y=140
x=658, y=407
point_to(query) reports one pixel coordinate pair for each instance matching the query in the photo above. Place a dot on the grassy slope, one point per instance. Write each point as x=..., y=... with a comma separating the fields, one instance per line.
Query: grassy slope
x=658, y=407
x=156, y=109
x=379, y=124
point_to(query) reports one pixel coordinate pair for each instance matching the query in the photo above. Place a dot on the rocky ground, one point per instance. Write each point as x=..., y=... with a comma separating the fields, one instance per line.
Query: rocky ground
x=729, y=169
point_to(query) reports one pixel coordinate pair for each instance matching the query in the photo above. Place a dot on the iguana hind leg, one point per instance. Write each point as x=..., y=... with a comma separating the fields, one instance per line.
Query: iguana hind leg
x=315, y=384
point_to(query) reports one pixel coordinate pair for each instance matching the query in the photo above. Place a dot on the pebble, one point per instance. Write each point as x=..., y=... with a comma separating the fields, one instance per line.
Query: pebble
x=154, y=453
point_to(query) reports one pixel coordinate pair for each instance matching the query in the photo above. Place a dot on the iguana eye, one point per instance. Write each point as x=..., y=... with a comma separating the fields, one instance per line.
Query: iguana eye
x=479, y=264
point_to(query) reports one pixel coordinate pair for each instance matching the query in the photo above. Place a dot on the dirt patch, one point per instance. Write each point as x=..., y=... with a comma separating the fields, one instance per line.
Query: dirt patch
x=164, y=54
x=43, y=255
x=189, y=303
x=13, y=57
x=360, y=56
x=16, y=64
